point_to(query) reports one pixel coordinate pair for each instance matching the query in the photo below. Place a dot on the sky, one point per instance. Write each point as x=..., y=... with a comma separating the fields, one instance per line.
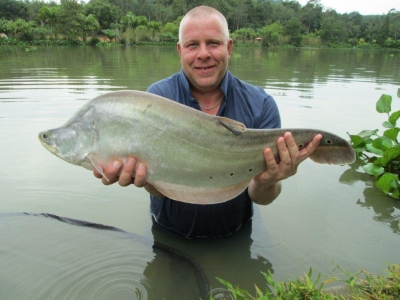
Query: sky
x=364, y=7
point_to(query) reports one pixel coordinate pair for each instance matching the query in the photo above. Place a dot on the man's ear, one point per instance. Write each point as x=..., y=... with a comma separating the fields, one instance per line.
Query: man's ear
x=230, y=46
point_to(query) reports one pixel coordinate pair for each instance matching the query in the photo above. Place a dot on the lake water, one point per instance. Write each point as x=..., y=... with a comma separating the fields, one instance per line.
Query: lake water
x=326, y=215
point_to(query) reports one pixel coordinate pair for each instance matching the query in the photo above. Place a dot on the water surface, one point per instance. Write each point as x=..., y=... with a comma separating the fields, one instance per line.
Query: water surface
x=325, y=216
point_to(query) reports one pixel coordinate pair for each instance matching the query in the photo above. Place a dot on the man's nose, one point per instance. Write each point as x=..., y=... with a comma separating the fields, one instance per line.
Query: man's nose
x=204, y=52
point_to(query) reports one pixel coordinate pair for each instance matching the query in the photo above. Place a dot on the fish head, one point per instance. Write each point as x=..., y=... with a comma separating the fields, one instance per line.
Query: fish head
x=73, y=141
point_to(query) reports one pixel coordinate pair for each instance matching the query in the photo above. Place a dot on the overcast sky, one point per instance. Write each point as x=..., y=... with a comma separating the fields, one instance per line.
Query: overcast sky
x=364, y=7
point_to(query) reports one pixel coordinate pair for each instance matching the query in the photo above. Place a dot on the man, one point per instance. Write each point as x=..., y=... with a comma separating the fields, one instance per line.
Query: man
x=206, y=84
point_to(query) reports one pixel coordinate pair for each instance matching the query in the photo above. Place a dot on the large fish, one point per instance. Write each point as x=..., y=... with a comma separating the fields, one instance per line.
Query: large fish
x=190, y=156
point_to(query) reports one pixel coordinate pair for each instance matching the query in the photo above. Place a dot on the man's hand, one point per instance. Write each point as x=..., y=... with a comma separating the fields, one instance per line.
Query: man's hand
x=265, y=187
x=131, y=172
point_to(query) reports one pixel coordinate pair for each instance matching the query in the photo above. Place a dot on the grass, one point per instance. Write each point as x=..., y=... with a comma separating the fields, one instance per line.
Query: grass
x=361, y=285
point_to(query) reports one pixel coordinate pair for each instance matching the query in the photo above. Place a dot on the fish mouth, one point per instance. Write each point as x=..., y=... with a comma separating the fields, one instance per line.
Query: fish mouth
x=43, y=136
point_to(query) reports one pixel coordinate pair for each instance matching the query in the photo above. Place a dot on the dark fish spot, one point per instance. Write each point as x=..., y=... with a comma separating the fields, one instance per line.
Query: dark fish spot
x=231, y=174
x=210, y=177
x=250, y=170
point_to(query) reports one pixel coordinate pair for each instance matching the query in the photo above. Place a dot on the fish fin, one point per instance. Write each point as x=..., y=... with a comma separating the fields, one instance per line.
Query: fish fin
x=97, y=166
x=234, y=126
x=200, y=195
x=336, y=155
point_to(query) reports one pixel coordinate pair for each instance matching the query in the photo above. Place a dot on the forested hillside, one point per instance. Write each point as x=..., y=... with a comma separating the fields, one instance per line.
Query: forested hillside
x=267, y=22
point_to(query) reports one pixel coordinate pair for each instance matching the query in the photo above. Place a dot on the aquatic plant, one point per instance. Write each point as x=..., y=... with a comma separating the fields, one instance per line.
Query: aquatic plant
x=360, y=285
x=380, y=154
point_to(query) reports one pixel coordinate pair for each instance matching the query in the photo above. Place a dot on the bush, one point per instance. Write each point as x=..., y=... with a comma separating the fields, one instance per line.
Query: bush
x=93, y=41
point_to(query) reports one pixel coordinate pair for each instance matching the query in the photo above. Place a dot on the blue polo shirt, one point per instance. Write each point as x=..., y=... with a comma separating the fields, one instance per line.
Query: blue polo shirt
x=243, y=102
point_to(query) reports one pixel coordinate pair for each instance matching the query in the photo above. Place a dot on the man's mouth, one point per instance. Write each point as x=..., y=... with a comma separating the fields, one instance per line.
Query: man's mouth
x=204, y=68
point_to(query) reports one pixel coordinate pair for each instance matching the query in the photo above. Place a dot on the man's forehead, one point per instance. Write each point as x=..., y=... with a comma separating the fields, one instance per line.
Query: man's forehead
x=212, y=25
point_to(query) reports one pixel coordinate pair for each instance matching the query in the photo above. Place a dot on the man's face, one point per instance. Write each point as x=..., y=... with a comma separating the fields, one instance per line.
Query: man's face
x=205, y=53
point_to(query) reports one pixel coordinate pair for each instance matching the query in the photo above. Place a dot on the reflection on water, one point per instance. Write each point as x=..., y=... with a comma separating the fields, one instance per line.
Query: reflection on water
x=319, y=220
x=386, y=209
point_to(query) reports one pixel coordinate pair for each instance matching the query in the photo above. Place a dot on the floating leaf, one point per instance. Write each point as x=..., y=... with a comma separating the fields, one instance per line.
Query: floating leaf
x=396, y=193
x=384, y=104
x=367, y=133
x=382, y=143
x=394, y=117
x=387, y=124
x=387, y=142
x=356, y=140
x=373, y=169
x=385, y=183
x=392, y=133
x=374, y=150
x=388, y=156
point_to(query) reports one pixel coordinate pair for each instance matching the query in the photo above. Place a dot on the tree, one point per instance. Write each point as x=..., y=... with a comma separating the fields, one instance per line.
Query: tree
x=13, y=10
x=394, y=23
x=69, y=18
x=111, y=34
x=154, y=27
x=90, y=26
x=48, y=15
x=271, y=34
x=333, y=28
x=20, y=27
x=311, y=15
x=355, y=22
x=294, y=29
x=106, y=13
x=170, y=32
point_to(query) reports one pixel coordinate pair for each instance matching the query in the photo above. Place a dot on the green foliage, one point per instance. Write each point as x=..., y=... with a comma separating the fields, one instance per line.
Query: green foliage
x=111, y=34
x=13, y=9
x=70, y=18
x=294, y=29
x=106, y=13
x=276, y=22
x=361, y=285
x=381, y=153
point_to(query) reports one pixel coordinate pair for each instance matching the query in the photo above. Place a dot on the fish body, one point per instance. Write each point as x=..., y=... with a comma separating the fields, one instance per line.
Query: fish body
x=190, y=156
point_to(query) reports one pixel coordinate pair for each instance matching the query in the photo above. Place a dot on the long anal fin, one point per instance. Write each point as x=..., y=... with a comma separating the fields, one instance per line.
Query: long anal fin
x=97, y=166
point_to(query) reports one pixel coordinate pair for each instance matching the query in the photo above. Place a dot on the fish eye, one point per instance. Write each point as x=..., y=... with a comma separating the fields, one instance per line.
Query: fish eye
x=301, y=146
x=328, y=141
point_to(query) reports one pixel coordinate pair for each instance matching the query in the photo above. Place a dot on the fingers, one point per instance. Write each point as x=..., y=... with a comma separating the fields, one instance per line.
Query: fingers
x=140, y=176
x=290, y=158
x=111, y=173
x=125, y=174
x=306, y=152
x=273, y=171
x=133, y=172
x=125, y=178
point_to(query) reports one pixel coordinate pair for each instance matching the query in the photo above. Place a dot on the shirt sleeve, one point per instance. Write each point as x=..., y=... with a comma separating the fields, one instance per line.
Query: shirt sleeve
x=271, y=117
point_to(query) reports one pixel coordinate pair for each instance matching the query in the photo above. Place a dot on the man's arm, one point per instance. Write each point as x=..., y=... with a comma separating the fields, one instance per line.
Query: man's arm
x=266, y=187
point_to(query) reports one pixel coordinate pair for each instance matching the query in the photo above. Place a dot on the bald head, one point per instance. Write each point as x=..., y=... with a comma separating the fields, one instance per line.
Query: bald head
x=204, y=13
